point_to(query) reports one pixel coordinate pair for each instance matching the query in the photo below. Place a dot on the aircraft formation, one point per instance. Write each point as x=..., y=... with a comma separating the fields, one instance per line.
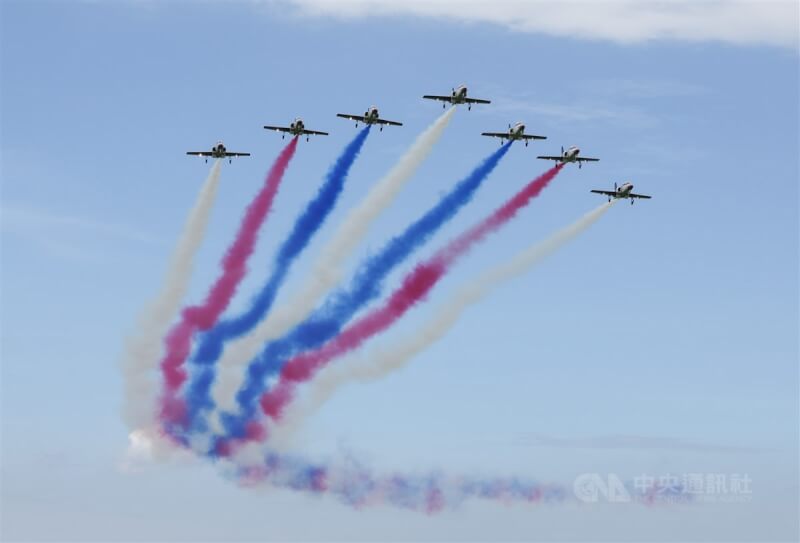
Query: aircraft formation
x=230, y=381
x=458, y=96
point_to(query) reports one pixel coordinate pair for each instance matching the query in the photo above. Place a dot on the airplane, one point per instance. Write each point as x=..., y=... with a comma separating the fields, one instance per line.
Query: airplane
x=623, y=191
x=570, y=155
x=218, y=151
x=296, y=128
x=370, y=116
x=516, y=132
x=459, y=96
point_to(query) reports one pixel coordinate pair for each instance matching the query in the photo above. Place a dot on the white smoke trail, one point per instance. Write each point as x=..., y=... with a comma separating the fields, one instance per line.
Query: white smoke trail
x=326, y=273
x=380, y=362
x=143, y=349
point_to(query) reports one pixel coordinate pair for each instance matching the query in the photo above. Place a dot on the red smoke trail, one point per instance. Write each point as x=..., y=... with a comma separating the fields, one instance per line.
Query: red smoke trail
x=234, y=267
x=414, y=288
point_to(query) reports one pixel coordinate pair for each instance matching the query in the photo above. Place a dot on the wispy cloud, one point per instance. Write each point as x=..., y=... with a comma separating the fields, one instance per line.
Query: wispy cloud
x=65, y=235
x=744, y=22
x=634, y=105
x=628, y=442
x=644, y=89
x=572, y=112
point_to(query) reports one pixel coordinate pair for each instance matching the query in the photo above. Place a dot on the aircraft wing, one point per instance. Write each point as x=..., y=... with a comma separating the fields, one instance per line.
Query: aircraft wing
x=586, y=159
x=605, y=192
x=361, y=118
x=477, y=101
x=314, y=133
x=435, y=97
x=557, y=158
x=507, y=136
x=278, y=128
x=384, y=121
x=236, y=154
x=352, y=117
x=632, y=195
x=200, y=153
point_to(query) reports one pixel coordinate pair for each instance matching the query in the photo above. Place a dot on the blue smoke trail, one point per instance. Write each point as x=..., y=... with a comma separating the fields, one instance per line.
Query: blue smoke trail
x=306, y=225
x=327, y=321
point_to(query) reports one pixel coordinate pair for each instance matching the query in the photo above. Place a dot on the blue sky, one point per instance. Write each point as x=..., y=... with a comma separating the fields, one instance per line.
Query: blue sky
x=674, y=321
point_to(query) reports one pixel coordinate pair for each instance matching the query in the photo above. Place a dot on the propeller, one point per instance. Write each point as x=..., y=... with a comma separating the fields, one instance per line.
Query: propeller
x=562, y=150
x=615, y=186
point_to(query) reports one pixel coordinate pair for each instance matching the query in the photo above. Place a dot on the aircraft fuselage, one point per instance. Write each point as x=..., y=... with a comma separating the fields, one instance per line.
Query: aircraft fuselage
x=371, y=115
x=297, y=126
x=571, y=154
x=621, y=192
x=219, y=150
x=624, y=190
x=459, y=95
x=516, y=132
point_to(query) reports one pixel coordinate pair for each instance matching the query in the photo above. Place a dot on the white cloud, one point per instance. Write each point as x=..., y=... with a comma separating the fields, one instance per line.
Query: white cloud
x=145, y=447
x=771, y=22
